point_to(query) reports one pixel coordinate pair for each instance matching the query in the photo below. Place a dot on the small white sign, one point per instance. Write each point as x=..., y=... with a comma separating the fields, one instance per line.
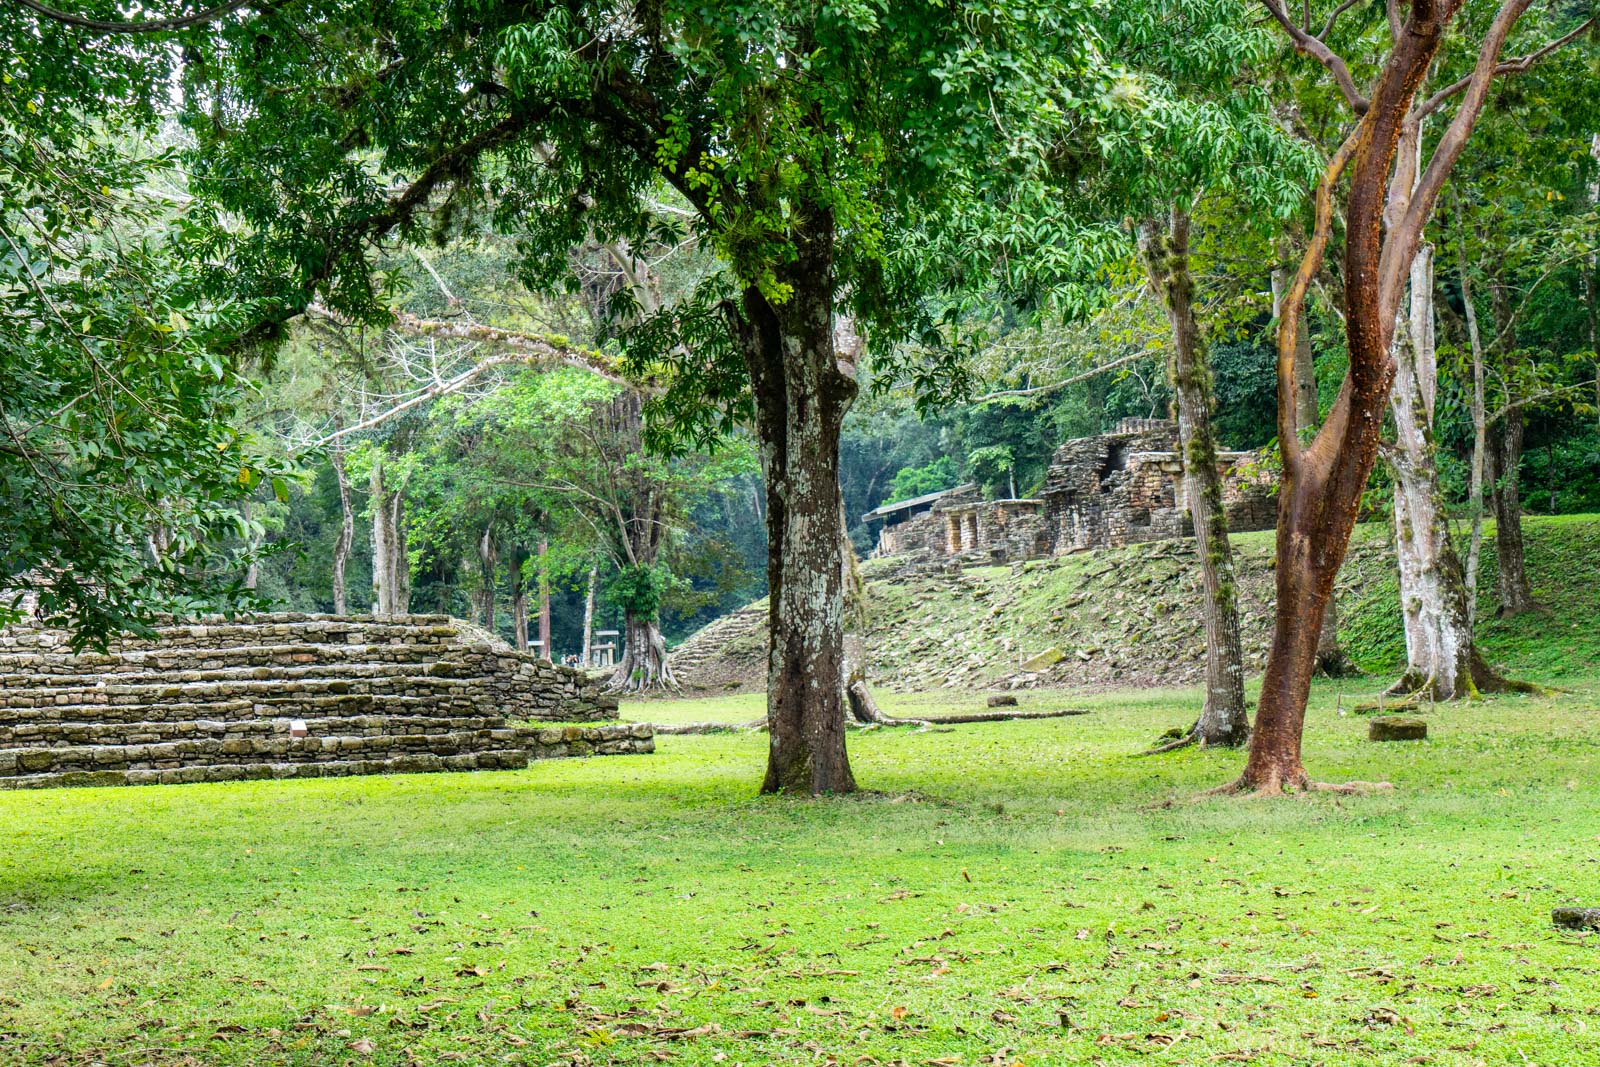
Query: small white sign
x=297, y=728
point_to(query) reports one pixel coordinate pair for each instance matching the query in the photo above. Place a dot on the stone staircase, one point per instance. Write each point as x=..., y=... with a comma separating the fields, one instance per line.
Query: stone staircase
x=710, y=645
x=291, y=696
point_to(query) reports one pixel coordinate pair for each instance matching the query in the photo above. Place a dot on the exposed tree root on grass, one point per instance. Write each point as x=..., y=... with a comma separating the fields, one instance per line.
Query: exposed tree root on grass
x=1301, y=783
x=1177, y=738
x=757, y=725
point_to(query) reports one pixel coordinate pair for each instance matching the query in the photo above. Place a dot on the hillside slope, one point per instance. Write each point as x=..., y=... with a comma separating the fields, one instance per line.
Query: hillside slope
x=1130, y=617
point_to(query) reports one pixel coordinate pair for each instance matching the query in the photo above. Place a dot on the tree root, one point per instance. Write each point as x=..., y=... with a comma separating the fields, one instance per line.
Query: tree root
x=689, y=728
x=1171, y=746
x=1279, y=788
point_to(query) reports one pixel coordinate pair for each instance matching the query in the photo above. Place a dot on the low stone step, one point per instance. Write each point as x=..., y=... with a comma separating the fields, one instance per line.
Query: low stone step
x=79, y=734
x=285, y=626
x=202, y=751
x=289, y=705
x=265, y=689
x=23, y=685
x=49, y=668
x=419, y=763
x=549, y=742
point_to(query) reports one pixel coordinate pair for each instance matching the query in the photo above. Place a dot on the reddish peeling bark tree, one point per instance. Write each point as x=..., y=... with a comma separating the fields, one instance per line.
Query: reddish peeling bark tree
x=1320, y=497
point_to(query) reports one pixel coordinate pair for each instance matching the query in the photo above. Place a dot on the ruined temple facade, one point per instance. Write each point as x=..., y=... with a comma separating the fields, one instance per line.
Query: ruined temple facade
x=1112, y=489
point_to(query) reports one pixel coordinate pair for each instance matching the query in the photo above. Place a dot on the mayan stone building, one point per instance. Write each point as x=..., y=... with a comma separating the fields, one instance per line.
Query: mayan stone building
x=1112, y=489
x=291, y=696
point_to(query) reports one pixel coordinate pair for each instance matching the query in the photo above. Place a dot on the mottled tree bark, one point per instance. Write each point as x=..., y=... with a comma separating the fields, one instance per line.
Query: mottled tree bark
x=1440, y=649
x=802, y=391
x=391, y=569
x=1591, y=282
x=347, y=532
x=1480, y=437
x=1165, y=250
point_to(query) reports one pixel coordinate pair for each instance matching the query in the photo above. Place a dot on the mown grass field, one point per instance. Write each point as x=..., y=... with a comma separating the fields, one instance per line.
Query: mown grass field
x=1008, y=893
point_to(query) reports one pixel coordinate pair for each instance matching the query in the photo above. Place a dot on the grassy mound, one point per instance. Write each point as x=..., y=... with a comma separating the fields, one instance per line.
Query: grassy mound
x=1130, y=617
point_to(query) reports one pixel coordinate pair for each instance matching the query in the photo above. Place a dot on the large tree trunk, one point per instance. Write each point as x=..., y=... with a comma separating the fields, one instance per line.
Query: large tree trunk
x=391, y=569
x=1165, y=251
x=1440, y=651
x=1516, y=596
x=802, y=391
x=643, y=665
x=347, y=532
x=1319, y=497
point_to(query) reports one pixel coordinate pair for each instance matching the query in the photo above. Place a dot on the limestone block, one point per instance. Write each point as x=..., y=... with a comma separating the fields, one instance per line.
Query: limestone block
x=1395, y=728
x=1047, y=658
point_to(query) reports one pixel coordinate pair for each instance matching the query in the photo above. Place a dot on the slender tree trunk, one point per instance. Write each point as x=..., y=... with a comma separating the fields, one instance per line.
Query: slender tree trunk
x=802, y=390
x=488, y=566
x=1331, y=659
x=347, y=532
x=1591, y=280
x=252, y=570
x=544, y=601
x=1480, y=439
x=588, y=617
x=391, y=568
x=1516, y=596
x=1440, y=650
x=1165, y=251
x=518, y=568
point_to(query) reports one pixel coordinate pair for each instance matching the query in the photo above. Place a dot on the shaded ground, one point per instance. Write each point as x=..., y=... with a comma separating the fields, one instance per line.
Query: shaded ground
x=1129, y=618
x=1014, y=893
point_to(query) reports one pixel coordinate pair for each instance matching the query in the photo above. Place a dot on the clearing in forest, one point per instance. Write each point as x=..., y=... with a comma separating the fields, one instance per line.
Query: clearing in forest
x=1012, y=892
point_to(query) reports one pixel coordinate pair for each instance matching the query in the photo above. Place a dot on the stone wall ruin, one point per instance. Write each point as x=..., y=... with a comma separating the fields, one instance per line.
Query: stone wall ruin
x=1104, y=491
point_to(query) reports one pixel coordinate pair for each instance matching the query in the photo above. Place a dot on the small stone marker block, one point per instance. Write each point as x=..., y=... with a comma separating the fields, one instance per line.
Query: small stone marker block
x=297, y=728
x=1576, y=918
x=1002, y=700
x=1394, y=728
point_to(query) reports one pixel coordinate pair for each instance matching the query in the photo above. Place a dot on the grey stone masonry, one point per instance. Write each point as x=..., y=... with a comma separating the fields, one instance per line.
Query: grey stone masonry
x=290, y=695
x=1104, y=491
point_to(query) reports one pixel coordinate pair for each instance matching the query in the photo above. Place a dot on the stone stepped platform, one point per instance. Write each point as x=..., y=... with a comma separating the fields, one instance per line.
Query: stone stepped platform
x=45, y=667
x=290, y=695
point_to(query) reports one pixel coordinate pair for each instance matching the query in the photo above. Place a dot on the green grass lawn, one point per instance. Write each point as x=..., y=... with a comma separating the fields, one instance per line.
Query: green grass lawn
x=1014, y=892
